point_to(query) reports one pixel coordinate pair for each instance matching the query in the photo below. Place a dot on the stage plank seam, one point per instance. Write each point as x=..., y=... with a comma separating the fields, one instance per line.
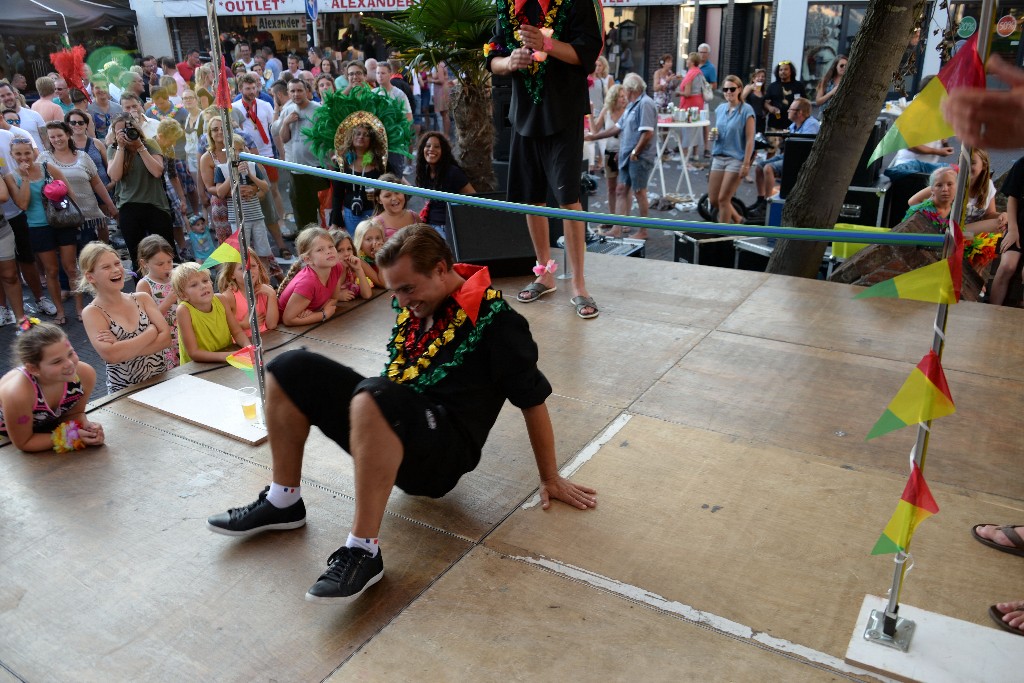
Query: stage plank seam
x=830, y=664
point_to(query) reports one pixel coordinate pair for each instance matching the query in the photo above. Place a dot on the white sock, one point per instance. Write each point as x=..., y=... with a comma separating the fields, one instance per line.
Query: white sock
x=368, y=544
x=284, y=496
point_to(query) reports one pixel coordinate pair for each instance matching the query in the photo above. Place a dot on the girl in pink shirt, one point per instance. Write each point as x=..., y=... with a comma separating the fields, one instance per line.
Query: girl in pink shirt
x=310, y=291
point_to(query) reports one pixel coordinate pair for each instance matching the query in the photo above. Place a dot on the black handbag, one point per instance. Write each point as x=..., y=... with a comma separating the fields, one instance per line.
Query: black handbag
x=64, y=213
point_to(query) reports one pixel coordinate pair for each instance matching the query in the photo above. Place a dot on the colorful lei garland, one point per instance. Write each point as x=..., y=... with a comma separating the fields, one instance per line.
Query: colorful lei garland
x=421, y=373
x=67, y=437
x=510, y=22
x=982, y=249
x=159, y=115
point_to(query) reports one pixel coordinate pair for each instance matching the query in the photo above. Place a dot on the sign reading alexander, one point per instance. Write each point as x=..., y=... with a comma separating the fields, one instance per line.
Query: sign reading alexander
x=285, y=22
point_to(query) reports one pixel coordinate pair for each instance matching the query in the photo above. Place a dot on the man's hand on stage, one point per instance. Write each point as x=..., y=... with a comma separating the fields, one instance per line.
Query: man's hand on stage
x=562, y=489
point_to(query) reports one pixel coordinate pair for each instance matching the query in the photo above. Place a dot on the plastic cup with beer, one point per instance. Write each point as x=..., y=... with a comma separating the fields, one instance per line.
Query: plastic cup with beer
x=247, y=397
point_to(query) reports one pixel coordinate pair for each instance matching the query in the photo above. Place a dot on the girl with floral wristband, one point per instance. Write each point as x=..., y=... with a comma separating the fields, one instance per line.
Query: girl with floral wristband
x=43, y=400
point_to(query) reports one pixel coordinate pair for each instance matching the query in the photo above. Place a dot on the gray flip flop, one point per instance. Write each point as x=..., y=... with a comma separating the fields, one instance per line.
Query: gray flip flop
x=581, y=302
x=536, y=290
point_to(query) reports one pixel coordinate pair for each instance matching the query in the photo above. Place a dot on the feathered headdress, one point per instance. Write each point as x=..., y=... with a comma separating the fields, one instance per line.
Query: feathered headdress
x=70, y=64
x=338, y=113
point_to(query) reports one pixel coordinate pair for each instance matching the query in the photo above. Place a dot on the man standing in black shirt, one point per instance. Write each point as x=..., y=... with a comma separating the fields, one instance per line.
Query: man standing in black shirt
x=457, y=352
x=559, y=44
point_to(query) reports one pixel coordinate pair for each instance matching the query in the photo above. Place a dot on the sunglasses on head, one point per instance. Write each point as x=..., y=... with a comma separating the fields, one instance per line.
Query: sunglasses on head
x=729, y=89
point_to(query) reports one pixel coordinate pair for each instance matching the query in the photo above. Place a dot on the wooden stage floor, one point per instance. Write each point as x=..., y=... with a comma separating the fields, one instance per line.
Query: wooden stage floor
x=721, y=415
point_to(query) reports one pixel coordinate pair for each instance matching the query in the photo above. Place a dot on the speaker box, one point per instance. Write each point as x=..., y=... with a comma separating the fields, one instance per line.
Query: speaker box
x=499, y=240
x=797, y=150
x=501, y=104
x=900, y=192
x=865, y=175
x=863, y=206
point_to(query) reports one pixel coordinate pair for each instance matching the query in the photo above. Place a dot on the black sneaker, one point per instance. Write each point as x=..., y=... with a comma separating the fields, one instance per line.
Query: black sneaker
x=260, y=515
x=350, y=571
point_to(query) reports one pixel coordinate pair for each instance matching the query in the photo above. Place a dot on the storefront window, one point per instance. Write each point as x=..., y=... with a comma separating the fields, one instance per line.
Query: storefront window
x=756, y=40
x=628, y=51
x=821, y=40
x=1006, y=46
x=685, y=47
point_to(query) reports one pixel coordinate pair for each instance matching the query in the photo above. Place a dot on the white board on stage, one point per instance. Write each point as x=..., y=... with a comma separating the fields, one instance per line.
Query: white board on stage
x=204, y=404
x=943, y=649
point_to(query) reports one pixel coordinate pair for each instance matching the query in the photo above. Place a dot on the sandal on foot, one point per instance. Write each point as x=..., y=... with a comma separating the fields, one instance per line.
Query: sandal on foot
x=997, y=616
x=532, y=292
x=60, y=320
x=581, y=302
x=286, y=254
x=1008, y=530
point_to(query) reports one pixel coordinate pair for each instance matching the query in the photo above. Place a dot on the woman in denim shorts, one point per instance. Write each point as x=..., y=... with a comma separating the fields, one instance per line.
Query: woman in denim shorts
x=732, y=151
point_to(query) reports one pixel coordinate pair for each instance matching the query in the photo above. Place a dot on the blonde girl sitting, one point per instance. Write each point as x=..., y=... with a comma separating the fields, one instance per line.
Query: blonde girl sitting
x=357, y=279
x=42, y=401
x=368, y=240
x=311, y=289
x=128, y=331
x=205, y=330
x=231, y=281
x=156, y=261
x=391, y=211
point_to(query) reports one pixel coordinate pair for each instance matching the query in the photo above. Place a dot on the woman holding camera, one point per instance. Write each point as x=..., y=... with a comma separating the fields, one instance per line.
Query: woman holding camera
x=136, y=166
x=364, y=152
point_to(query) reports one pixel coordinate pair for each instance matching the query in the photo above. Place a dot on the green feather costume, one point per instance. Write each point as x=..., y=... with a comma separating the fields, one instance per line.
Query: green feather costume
x=339, y=113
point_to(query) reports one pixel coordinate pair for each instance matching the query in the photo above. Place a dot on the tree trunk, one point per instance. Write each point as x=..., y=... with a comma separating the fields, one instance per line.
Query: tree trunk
x=818, y=195
x=474, y=133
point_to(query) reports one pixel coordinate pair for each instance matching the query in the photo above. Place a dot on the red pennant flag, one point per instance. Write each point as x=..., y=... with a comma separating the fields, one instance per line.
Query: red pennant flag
x=223, y=99
x=916, y=504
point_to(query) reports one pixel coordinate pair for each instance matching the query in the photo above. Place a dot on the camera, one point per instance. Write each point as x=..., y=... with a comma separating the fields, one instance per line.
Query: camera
x=130, y=131
x=356, y=206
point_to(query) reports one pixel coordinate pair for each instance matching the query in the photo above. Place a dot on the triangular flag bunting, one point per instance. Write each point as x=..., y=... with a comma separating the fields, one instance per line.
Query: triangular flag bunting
x=922, y=121
x=227, y=252
x=924, y=396
x=933, y=283
x=916, y=505
x=244, y=359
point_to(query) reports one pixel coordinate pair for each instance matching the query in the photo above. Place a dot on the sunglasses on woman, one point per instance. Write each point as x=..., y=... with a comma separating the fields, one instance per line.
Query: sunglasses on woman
x=77, y=122
x=729, y=89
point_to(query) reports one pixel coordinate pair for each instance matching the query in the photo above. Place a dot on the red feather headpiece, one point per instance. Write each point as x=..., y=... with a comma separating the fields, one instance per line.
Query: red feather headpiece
x=70, y=64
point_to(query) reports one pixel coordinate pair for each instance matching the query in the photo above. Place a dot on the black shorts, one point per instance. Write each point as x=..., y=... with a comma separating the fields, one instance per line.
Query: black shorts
x=1012, y=247
x=435, y=455
x=22, y=241
x=46, y=238
x=550, y=161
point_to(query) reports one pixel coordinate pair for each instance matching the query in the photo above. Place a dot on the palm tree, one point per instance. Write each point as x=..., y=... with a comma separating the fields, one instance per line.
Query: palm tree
x=453, y=32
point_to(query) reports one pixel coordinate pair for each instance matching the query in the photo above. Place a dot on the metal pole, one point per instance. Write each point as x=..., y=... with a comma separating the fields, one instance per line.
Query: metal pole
x=243, y=244
x=958, y=214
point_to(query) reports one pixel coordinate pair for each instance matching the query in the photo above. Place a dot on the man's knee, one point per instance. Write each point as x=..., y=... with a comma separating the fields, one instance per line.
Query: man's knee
x=278, y=402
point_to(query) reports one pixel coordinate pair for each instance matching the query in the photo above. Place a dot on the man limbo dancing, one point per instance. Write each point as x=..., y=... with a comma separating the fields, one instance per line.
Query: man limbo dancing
x=457, y=351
